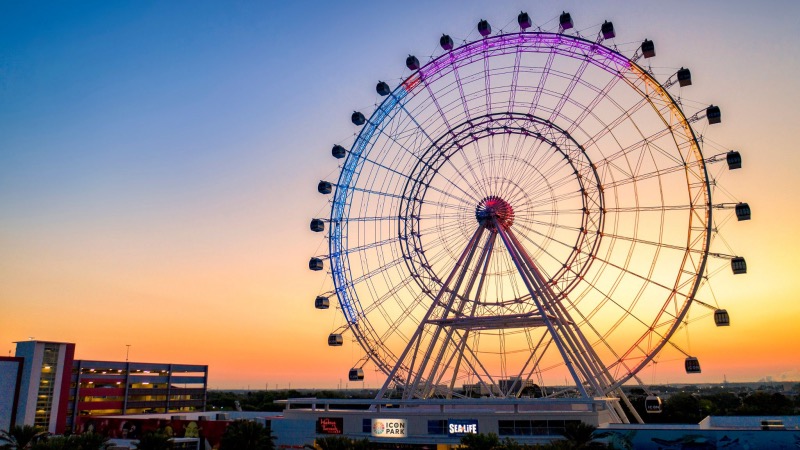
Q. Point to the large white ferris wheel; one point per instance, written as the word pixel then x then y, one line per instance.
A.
pixel 525 206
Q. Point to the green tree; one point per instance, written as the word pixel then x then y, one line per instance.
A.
pixel 246 435
pixel 153 441
pixel 682 407
pixel 481 441
pixel 342 443
pixel 85 441
pixel 579 435
pixel 765 403
pixel 22 437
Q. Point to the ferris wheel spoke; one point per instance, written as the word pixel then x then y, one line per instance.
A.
pixel 602 94
pixel 514 78
pixel 410 176
pixel 567 93
pixel 542 80
pixel 622 117
pixel 461 94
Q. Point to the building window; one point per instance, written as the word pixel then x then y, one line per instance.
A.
pixel 437 427
pixel 533 427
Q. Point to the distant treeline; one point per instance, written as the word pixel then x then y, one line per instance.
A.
pixel 680 407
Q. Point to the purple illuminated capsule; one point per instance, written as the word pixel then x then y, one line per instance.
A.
pixel 484 28
pixel 648 48
pixel 608 30
pixel 566 21
pixel 524 20
pixel 446 42
pixel 412 62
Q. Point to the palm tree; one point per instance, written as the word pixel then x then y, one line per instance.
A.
pixel 246 435
pixel 85 441
pixel 579 435
pixel 341 443
pixel 22 437
pixel 153 441
pixel 480 441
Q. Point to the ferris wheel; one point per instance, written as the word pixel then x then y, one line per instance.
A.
pixel 527 206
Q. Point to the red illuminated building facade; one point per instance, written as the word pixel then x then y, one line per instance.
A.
pixel 59 393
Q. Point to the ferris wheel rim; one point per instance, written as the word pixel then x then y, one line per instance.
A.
pixel 349 301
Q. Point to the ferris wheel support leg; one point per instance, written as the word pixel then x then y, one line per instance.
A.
pixel 423 384
pixel 414 341
pixel 535 296
pixel 598 373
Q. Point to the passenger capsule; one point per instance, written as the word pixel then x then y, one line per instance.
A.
pixel 324 187
pixel 713 114
pixel 721 318
pixel 484 28
pixel 338 152
pixel 734 160
pixel 684 77
pixel 524 20
pixel 335 340
pixel 566 21
pixel 607 28
pixel 315 264
pixel 742 211
pixel 322 302
pixel 317 225
pixel 692 365
pixel 357 118
pixel 652 404
pixel 356 374
pixel 446 42
pixel 738 265
pixel 412 62
pixel 383 89
pixel 648 48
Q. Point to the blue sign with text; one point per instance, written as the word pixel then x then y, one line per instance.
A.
pixel 461 427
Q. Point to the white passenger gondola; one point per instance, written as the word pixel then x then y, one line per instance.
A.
pixel 738 265
pixel 356 374
pixel 652 404
pixel 315 264
pixel 692 365
pixel 721 318
pixel 734 160
pixel 335 340
pixel 324 187
pixel 322 302
pixel 317 225
pixel 742 211
pixel 383 89
pixel 684 77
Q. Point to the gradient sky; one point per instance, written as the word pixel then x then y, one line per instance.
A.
pixel 158 165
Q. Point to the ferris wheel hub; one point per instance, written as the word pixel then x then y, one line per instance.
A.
pixel 493 211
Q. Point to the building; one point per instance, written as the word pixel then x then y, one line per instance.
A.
pixel 45 386
pixel 10 379
pixel 103 388
pixel 42 389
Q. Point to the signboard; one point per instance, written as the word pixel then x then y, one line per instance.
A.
pixel 389 428
pixel 330 425
pixel 461 427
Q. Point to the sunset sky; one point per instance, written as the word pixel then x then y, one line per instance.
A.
pixel 159 162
